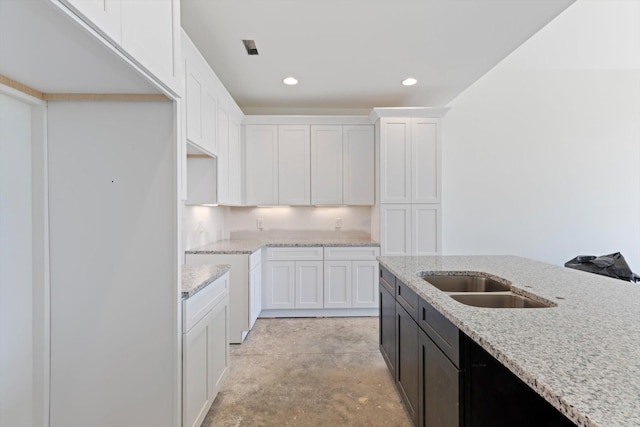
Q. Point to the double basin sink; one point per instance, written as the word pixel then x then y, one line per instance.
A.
pixel 480 291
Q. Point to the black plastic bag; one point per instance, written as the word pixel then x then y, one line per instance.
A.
pixel 612 265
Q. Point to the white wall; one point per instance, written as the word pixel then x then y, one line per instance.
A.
pixel 202 225
pixel 541 156
pixel 16 257
pixel 299 218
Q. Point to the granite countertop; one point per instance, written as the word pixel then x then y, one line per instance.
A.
pixel 249 246
pixel 582 356
pixel 197 277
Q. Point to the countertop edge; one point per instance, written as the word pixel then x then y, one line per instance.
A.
pixel 222 269
pixel 253 249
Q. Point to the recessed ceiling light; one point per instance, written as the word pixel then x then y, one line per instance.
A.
pixel 409 82
pixel 290 81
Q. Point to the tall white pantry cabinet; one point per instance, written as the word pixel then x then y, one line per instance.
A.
pixel 409 185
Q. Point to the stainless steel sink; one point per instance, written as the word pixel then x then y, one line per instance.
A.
pixel 467 283
pixel 503 300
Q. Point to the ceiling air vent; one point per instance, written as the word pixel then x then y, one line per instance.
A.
pixel 250 45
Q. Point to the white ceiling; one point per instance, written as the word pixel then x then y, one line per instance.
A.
pixel 353 54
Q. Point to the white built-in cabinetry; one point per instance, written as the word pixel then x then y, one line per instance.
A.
pixel 212 129
pixel 205 349
pixel 147 32
pixel 342 165
pixel 350 277
pixel 303 281
pixel 245 289
pixel 294 176
pixel 261 164
pixel 294 278
pixel 410 186
pixel 255 287
pixel 309 164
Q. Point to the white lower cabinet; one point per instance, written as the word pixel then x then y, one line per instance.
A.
pixel 244 304
pixel 351 277
pixel 337 284
pixel 293 284
pixel 364 279
pixel 308 284
pixel 323 281
pixel 255 287
pixel 205 349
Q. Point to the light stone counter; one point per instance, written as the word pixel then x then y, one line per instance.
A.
pixel 582 356
pixel 249 246
pixel 197 277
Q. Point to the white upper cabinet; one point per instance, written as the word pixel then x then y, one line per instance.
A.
pixel 326 165
pixel 146 31
pixel 200 100
pixel 208 120
pixel 149 31
pixel 193 103
pixel 410 160
pixel 261 165
pixel 425 170
pixel 235 164
pixel 395 229
pixel 294 162
pixel 104 14
pixel 223 157
pixel 317 164
pixel 358 165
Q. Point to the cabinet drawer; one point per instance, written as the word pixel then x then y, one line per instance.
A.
pixel 196 307
pixel 311 253
pixel 407 298
pixel 351 253
pixel 255 259
pixel 443 333
pixel 388 280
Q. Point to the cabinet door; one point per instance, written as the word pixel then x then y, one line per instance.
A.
pixel 255 294
pixel 280 286
pixel 294 165
pixel 103 14
pixel 219 357
pixel 261 167
pixel 149 30
pixel 197 373
pixel 407 362
pixel 235 164
pixel 208 121
pixel 395 160
pixel 395 230
pixel 387 329
pixel 425 229
pixel 193 103
pixel 425 161
pixel 309 284
pixel 440 386
pixel 358 164
pixel 364 284
pixel 223 156
pixel 326 165
pixel 337 284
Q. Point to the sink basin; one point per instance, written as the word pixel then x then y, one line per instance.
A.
pixel 509 300
pixel 466 284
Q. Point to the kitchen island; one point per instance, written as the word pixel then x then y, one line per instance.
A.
pixel 581 355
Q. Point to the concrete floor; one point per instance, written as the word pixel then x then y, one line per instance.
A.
pixel 308 372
